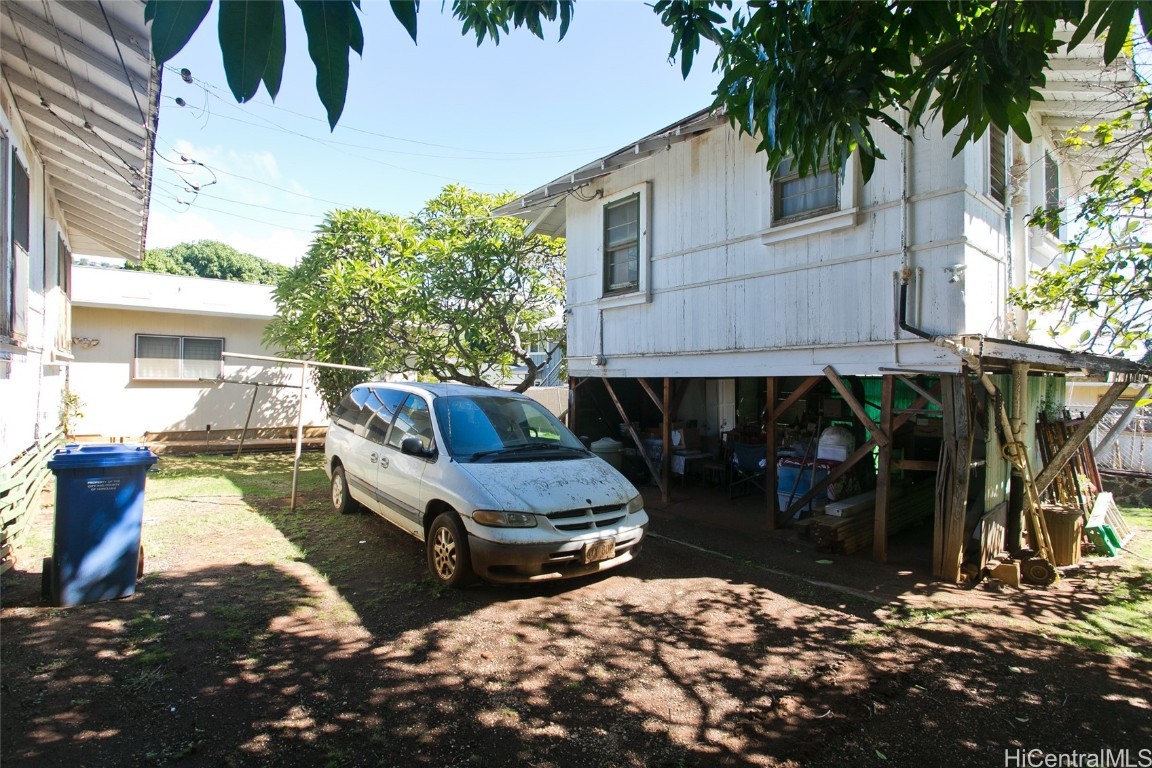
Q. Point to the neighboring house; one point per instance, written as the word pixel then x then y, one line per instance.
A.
pixel 152 360
pixel 780 304
pixel 78 108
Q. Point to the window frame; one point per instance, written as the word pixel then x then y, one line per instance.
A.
pixel 181 359
pixel 793 176
pixel 631 243
pixel 844 216
pixel 399 430
pixel 998 182
pixel 640 292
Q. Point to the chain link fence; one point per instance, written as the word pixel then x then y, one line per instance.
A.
pixel 1132 449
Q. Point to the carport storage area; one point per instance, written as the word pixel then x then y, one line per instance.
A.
pixel 958 452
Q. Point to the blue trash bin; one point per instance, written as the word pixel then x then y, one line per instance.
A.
pixel 96 536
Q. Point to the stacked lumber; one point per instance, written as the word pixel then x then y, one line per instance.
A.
pixel 846 535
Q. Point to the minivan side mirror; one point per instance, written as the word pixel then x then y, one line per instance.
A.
pixel 414 446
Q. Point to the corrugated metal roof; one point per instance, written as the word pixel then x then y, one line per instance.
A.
pixel 87 91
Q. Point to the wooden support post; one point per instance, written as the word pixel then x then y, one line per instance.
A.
pixel 854 404
pixel 794 398
pixel 666 439
pixel 631 431
pixel 883 474
pixel 1077 438
pixel 1121 423
pixel 952 482
pixel 571 420
pixel 644 385
pixel 842 468
pixel 771 471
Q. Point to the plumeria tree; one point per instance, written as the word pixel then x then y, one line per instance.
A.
pixel 451 294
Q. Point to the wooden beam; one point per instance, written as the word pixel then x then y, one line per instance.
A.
pixel 1122 422
pixel 952 482
pixel 841 469
pixel 772 475
pixel 913 465
pixel 631 431
pixel 857 408
pixel 652 394
pixel 1077 438
pixel 797 393
pixel 571 420
pixel 883 474
pixel 912 385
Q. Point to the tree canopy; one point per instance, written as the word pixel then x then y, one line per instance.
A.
pixel 449 293
pixel 809 79
pixel 1102 289
pixel 210 258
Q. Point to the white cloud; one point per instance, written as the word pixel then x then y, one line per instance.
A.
pixel 167 228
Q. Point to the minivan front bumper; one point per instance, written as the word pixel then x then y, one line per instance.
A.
pixel 518 562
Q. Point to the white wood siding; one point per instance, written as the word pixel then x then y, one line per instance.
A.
pixel 731 295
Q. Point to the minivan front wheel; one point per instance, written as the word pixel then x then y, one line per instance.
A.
pixel 448 557
pixel 342 501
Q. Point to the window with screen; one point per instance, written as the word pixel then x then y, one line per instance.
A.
pixel 622 245
pixel 178 357
pixel 796 197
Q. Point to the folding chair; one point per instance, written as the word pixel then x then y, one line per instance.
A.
pixel 747 467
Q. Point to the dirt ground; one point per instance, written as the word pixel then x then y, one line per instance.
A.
pixel 261 637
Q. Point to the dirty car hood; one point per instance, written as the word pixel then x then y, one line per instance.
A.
pixel 551 486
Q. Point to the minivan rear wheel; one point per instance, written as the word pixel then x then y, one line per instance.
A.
pixel 342 501
pixel 448 556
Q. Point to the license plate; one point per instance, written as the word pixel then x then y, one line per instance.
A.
pixel 595 551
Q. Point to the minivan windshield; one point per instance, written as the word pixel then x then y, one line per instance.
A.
pixel 495 428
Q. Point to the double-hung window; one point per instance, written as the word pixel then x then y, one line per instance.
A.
pixel 178 357
pixel 622 245
pixel 797 197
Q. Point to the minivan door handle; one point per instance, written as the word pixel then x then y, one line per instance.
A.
pixel 372 457
pixel 383 462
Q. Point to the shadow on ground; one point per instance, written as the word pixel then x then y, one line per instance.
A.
pixel 308 638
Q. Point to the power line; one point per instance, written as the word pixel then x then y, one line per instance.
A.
pixel 206 85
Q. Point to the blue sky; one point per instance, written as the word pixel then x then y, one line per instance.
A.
pixel 493 118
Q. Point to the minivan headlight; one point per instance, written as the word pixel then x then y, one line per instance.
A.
pixel 504 519
pixel 635 504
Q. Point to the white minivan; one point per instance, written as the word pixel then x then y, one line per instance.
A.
pixel 491 481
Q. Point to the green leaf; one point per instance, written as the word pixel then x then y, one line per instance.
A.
pixel 173 22
pixel 405 11
pixel 332 28
pixel 246 38
pixel 274 67
pixel 1119 21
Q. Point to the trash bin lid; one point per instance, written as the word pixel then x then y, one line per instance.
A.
pixel 98 455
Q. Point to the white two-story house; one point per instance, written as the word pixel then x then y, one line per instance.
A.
pixel 704 291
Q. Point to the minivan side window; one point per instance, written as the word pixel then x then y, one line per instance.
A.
pixel 347 413
pixel 414 420
pixel 379 409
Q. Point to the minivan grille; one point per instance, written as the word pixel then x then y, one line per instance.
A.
pixel 588 518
